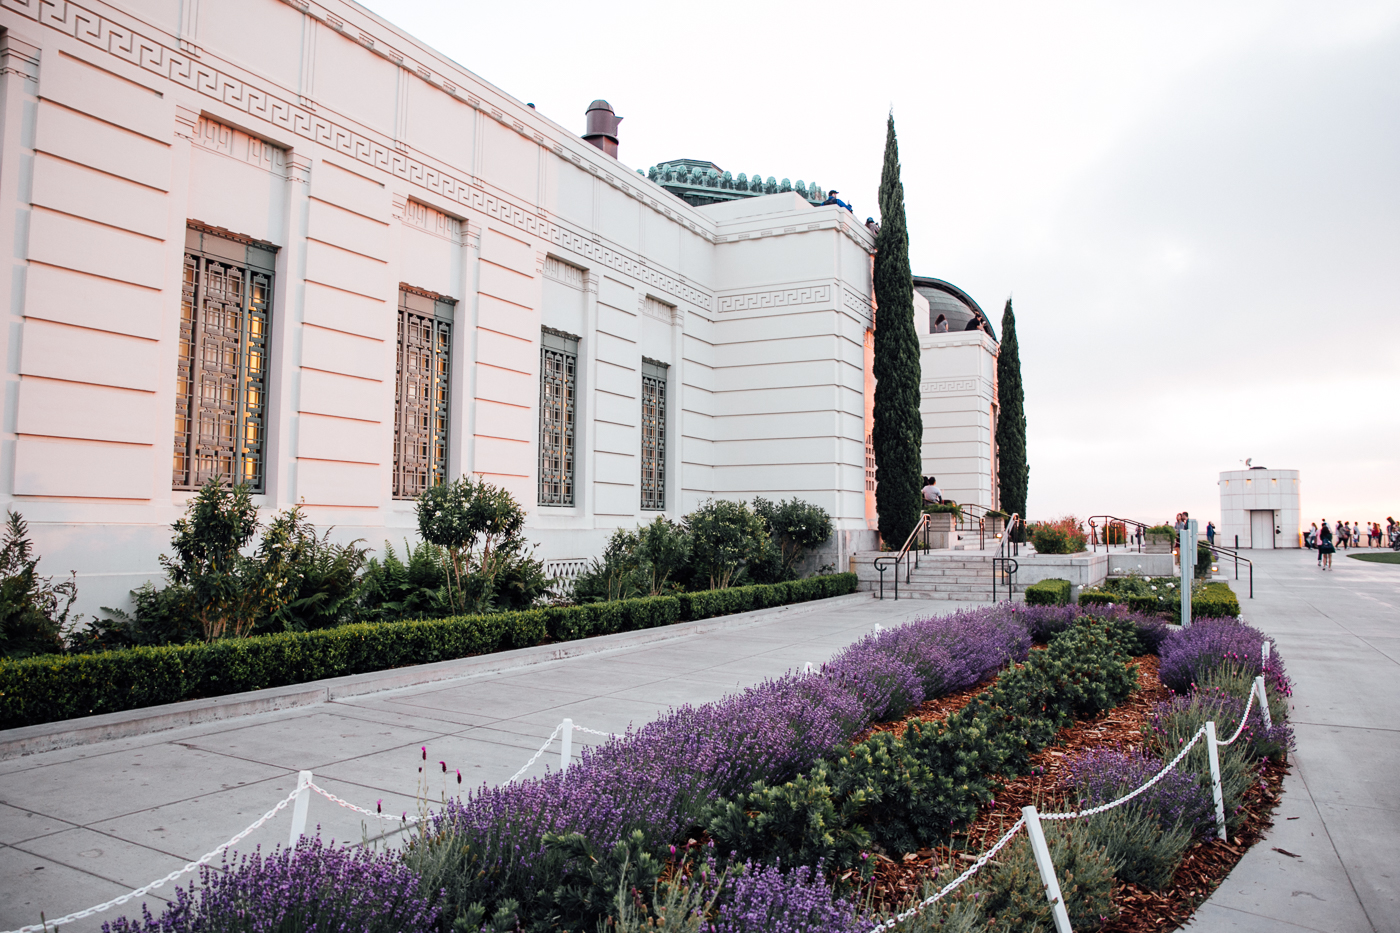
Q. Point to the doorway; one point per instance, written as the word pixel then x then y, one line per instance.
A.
pixel 1261 529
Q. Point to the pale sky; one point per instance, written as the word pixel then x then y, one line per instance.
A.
pixel 1196 206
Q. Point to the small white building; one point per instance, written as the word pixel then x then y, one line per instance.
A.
pixel 1259 508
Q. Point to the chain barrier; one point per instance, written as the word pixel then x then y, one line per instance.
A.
pixel 983 859
pixel 1243 719
pixel 536 756
pixel 141 892
pixel 387 817
pixel 1094 811
pixel 606 735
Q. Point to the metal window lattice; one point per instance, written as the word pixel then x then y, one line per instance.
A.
pixel 221 378
pixel 653 435
pixel 421 393
pixel 558 388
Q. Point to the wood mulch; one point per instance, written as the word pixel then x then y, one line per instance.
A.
pixel 1206 864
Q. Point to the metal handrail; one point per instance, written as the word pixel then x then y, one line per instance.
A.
pixel 1234 555
pixel 1007 561
pixel 883 563
pixel 1109 519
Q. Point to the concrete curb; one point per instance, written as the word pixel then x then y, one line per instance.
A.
pixel 30 740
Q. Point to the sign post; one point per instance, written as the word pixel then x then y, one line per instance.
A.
pixel 1186 548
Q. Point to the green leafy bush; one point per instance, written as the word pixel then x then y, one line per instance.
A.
pixel 1014 894
pixel 1204 558
pixel 33 609
pixel 644 562
pixel 939 508
pixel 724 537
pixel 54 687
pixel 459 515
pixel 794 528
pixel 1052 592
pixel 1214 601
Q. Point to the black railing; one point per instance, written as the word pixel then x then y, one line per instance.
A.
pixel 1004 565
pixel 1221 550
pixel 1107 531
pixel 884 563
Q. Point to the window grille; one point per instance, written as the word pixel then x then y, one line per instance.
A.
pixel 221 377
pixel 558 389
pixel 869 463
pixel 421 391
pixel 653 434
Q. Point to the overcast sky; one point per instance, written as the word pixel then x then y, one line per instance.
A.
pixel 1196 206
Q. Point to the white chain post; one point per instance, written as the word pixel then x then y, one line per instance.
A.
pixel 1047 870
pixel 1265 651
pixel 1263 695
pixel 1214 756
pixel 808 668
pixel 566 745
pixel 299 808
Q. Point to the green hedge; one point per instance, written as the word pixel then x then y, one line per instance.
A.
pixel 1214 600
pixel 54 687
pixel 1051 592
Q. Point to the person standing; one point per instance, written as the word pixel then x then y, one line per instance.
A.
pixel 1310 537
pixel 1210 533
pixel 1325 547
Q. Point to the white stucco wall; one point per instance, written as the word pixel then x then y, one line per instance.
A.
pixel 957 399
pixel 1245 491
pixel 368 159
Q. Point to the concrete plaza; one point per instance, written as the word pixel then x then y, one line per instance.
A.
pixel 82 824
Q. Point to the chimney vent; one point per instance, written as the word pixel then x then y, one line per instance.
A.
pixel 602 127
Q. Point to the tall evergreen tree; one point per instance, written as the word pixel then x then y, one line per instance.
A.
pixel 898 432
pixel 1013 470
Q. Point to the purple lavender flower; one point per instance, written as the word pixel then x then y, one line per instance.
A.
pixel 1187 654
pixel 761 899
pixel 1104 774
pixel 312 887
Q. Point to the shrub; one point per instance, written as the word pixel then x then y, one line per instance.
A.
pixel 33 609
pixel 393 589
pixel 1015 895
pixel 1187 654
pixel 53 687
pixel 1172 723
pixel 311 886
pixel 1214 600
pixel 725 536
pixel 1104 774
pixel 767 899
pixel 1061 536
pixel 1204 558
pixel 794 529
pixel 1052 592
pixel 1140 849
pixel 456 516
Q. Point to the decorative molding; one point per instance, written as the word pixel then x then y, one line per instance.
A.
pixel 782 298
pixel 186 122
pixel 432 221
pixel 947 386
pixel 236 144
pixel 859 304
pixel 152 56
pixel 564 273
pixel 658 309
pixel 18 57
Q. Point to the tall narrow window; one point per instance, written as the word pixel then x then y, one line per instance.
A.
pixel 653 434
pixel 558 388
pixel 221 377
pixel 421 392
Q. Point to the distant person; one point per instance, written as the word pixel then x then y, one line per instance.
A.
pixel 831 198
pixel 931 491
pixel 1210 533
pixel 1310 537
pixel 1373 534
pixel 1325 547
pixel 1343 533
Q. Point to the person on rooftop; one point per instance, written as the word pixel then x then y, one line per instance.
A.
pixel 831 198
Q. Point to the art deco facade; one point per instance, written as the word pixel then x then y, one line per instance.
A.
pixel 287 244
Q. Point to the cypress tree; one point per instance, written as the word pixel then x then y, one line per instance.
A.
pixel 1013 470
pixel 898 432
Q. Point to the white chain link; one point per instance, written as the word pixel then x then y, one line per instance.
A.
pixel 985 857
pixel 387 817
pixel 141 892
pixel 606 735
pixel 1079 814
pixel 536 757
pixel 1243 719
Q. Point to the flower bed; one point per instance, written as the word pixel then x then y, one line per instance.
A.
pixel 55 687
pixel 750 813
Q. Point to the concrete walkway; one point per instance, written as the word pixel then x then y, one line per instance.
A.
pixel 1339 633
pixel 81 825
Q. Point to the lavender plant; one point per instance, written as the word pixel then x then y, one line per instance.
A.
pixel 1187 654
pixel 310 888
pixel 766 899
pixel 1104 774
